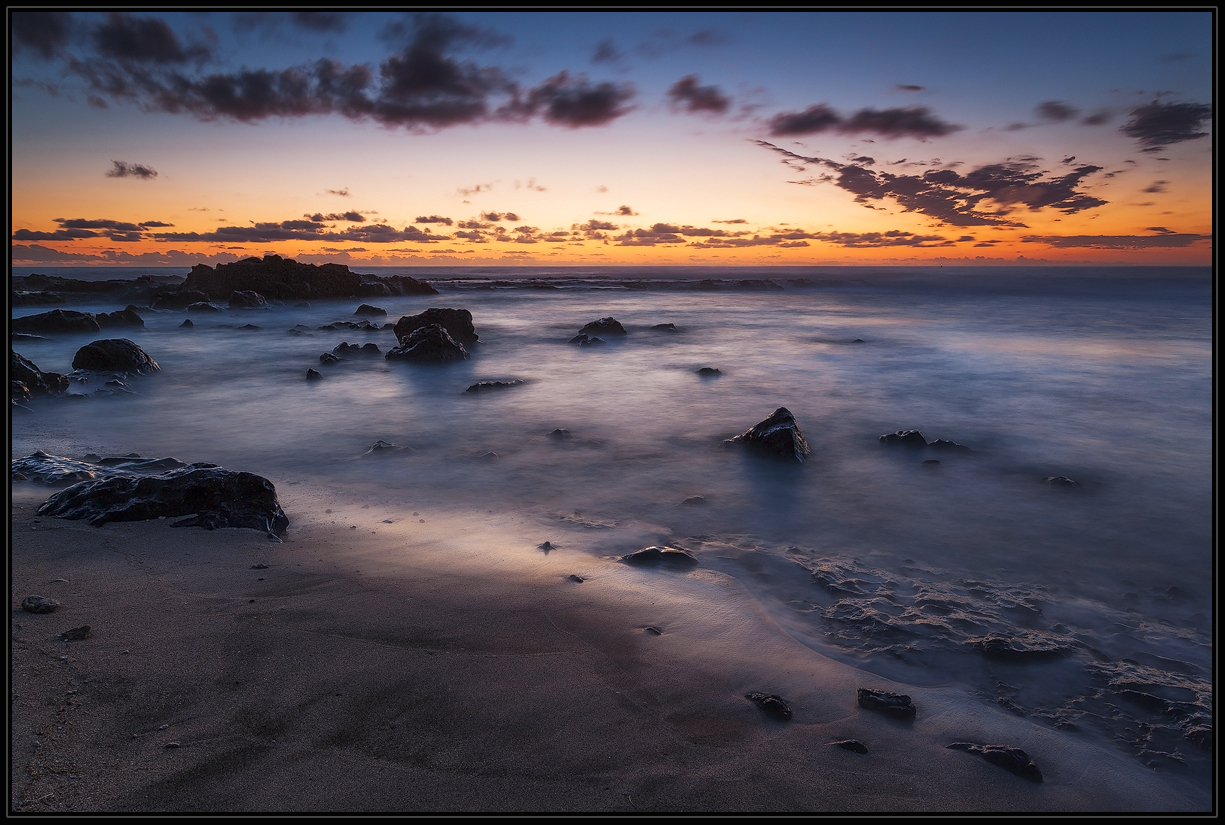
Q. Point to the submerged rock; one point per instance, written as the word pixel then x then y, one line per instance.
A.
pixel 709 372
pixel 897 705
pixel 664 328
pixel 179 298
pixel 203 306
pixel 114 355
pixel 778 435
pixel 560 434
pixel 1060 481
pixel 367 309
pixel 313 375
pixel 212 496
pixel 484 386
pixel 428 344
pixel 904 438
pixel 585 340
pixel 457 323
pixel 656 555
pixel 953 446
pixel 604 326
pixel 369 348
pixel 773 705
pixel 187 323
pixel 1008 757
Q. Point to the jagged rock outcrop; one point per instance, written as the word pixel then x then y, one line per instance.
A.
pixel 178 298
pixel 1008 757
pixel 126 317
pixel 778 435
pixel 246 299
pixel 113 355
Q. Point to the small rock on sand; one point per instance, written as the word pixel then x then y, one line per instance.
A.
pixel 39 604
pixel 772 704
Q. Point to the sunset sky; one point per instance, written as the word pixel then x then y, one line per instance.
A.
pixel 612 138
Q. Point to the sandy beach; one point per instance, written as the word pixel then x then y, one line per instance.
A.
pixel 449 664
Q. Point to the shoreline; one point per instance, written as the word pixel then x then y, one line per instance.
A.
pixel 452 665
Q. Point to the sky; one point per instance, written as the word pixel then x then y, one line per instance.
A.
pixel 612 138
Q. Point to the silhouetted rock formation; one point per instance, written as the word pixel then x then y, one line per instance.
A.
pixel 604 326
pixel 429 344
pixel 778 435
pixel 57 320
pixel 457 323
pixel 284 278
pixel 113 355
pixel 246 299
pixel 1008 757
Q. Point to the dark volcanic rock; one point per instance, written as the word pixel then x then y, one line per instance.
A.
pixel 672 556
pixel 778 435
pixel 664 327
pixel 356 349
pixel 313 375
pixel 773 705
pixel 709 372
pixel 75 634
pixel 284 279
pixel 120 318
pixel 328 358
pixel 1026 646
pixel 213 496
pixel 906 438
pixel 457 323
pixel 484 386
pixel 604 326
pixel 178 298
pixel 39 604
pixel 42 288
pixel 430 344
pixel 55 471
pixel 1060 481
pixel 1008 757
pixel 35 380
pixel 246 299
pixel 203 306
pixel 585 340
pixel 113 355
pixel 367 309
pixel 187 323
pixel 57 320
pixel 560 434
pixel 897 705
pixel 37 298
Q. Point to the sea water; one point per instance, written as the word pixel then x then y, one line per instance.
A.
pixel 1086 606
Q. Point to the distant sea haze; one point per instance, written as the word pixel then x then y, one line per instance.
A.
pixel 929 565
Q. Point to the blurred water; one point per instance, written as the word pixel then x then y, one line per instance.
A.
pixel 1104 591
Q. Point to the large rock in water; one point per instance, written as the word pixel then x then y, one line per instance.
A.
pixel 211 495
pixel 778 435
pixel 431 344
pixel 457 322
pixel 284 278
pixel 127 316
pixel 113 355
pixel 604 326
pixel 246 299
pixel 23 370
pixel 57 320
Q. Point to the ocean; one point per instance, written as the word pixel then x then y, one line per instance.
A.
pixel 1086 606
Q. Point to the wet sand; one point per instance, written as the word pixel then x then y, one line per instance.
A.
pixel 452 666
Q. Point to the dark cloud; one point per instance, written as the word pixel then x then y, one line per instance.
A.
pixel 424 85
pixel 1164 240
pixel 915 121
pixel 708 37
pixel 1156 187
pixel 573 102
pixel 1159 125
pixel 44 32
pixel 72 229
pixel 688 95
pixel 352 217
pixel 433 219
pixel 957 199
pixel 906 87
pixel 1055 110
pixel 1097 118
pixel 122 169
pixel 733 220
pixel 303 230
pixel 594 225
pixel 625 210
pixel 344 193
pixel 606 51
pixel 130 39
pixel 321 21
pixel 500 216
